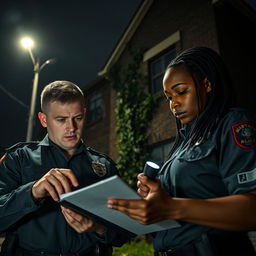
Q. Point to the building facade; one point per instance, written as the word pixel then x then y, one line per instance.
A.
pixel 163 28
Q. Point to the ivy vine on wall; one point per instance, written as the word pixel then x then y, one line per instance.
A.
pixel 134 106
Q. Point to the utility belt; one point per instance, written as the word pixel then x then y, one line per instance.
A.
pixel 25 252
pixel 11 247
pixel 219 244
pixel 168 253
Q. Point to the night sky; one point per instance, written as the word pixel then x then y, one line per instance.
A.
pixel 79 34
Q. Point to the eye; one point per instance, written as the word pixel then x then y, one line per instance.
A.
pixel 60 120
pixel 182 92
pixel 79 118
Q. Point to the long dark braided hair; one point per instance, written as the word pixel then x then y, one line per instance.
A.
pixel 201 63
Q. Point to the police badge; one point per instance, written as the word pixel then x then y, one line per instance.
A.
pixel 99 168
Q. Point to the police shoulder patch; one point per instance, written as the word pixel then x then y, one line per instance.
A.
pixel 244 134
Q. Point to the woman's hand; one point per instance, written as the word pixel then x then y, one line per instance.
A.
pixel 155 206
pixel 143 189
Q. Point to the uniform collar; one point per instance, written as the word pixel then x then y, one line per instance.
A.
pixel 184 131
pixel 47 142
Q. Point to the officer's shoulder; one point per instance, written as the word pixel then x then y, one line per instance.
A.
pixel 98 154
pixel 240 115
pixel 21 145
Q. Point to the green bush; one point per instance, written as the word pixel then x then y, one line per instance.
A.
pixel 134 108
pixel 134 248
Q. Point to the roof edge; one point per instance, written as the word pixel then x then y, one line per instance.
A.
pixel 126 36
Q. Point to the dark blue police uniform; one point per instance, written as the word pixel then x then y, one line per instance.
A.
pixel 41 227
pixel 224 164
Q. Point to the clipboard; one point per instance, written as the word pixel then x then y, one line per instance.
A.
pixel 92 201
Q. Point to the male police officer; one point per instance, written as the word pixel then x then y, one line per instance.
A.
pixel 33 175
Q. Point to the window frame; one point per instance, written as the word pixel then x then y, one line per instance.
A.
pixel 164 63
pixel 95 99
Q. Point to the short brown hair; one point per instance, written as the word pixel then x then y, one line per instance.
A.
pixel 62 91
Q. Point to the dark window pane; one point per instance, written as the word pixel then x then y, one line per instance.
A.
pixel 158 84
pixel 156 155
pixel 95 108
pixel 156 67
pixel 159 153
pixel 168 58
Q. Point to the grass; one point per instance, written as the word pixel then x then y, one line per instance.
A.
pixel 136 247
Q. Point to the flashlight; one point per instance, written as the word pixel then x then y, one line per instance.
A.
pixel 151 169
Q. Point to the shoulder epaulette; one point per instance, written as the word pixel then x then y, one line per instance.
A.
pixel 19 145
pixel 93 151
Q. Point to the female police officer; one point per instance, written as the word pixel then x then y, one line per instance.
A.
pixel 208 183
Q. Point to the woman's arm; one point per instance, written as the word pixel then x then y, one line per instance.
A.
pixel 234 212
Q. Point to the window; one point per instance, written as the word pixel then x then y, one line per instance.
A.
pixel 95 108
pixel 159 152
pixel 157 69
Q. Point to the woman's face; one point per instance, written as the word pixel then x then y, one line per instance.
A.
pixel 180 90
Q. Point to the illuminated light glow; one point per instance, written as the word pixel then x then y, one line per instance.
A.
pixel 153 165
pixel 27 42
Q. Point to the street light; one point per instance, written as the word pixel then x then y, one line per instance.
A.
pixel 28 43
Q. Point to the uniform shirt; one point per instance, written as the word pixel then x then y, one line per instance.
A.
pixel 223 165
pixel 42 227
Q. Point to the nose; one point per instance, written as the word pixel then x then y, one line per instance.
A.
pixel 174 103
pixel 70 125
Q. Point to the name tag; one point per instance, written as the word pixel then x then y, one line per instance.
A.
pixel 245 177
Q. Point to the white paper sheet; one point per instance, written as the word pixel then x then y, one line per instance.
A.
pixel 94 198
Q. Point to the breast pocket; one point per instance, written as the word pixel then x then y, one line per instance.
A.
pixel 198 152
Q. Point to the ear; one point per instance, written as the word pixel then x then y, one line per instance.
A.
pixel 207 85
pixel 42 119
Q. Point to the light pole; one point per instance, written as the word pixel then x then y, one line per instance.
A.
pixel 27 43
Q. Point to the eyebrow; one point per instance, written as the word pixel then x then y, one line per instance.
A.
pixel 176 85
pixel 68 116
pixel 60 117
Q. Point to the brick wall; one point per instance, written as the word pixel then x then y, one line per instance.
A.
pixel 197 26
pixel 97 134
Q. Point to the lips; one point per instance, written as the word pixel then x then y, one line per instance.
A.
pixel 180 115
pixel 70 137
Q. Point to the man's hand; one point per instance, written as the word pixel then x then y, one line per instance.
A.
pixel 81 223
pixel 54 183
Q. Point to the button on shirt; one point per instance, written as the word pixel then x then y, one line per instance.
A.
pixel 222 165
pixel 42 226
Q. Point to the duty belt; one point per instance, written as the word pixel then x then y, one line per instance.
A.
pixel 168 253
pixel 42 253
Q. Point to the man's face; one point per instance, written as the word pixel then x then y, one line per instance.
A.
pixel 64 123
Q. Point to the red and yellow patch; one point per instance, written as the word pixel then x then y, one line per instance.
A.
pixel 244 134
